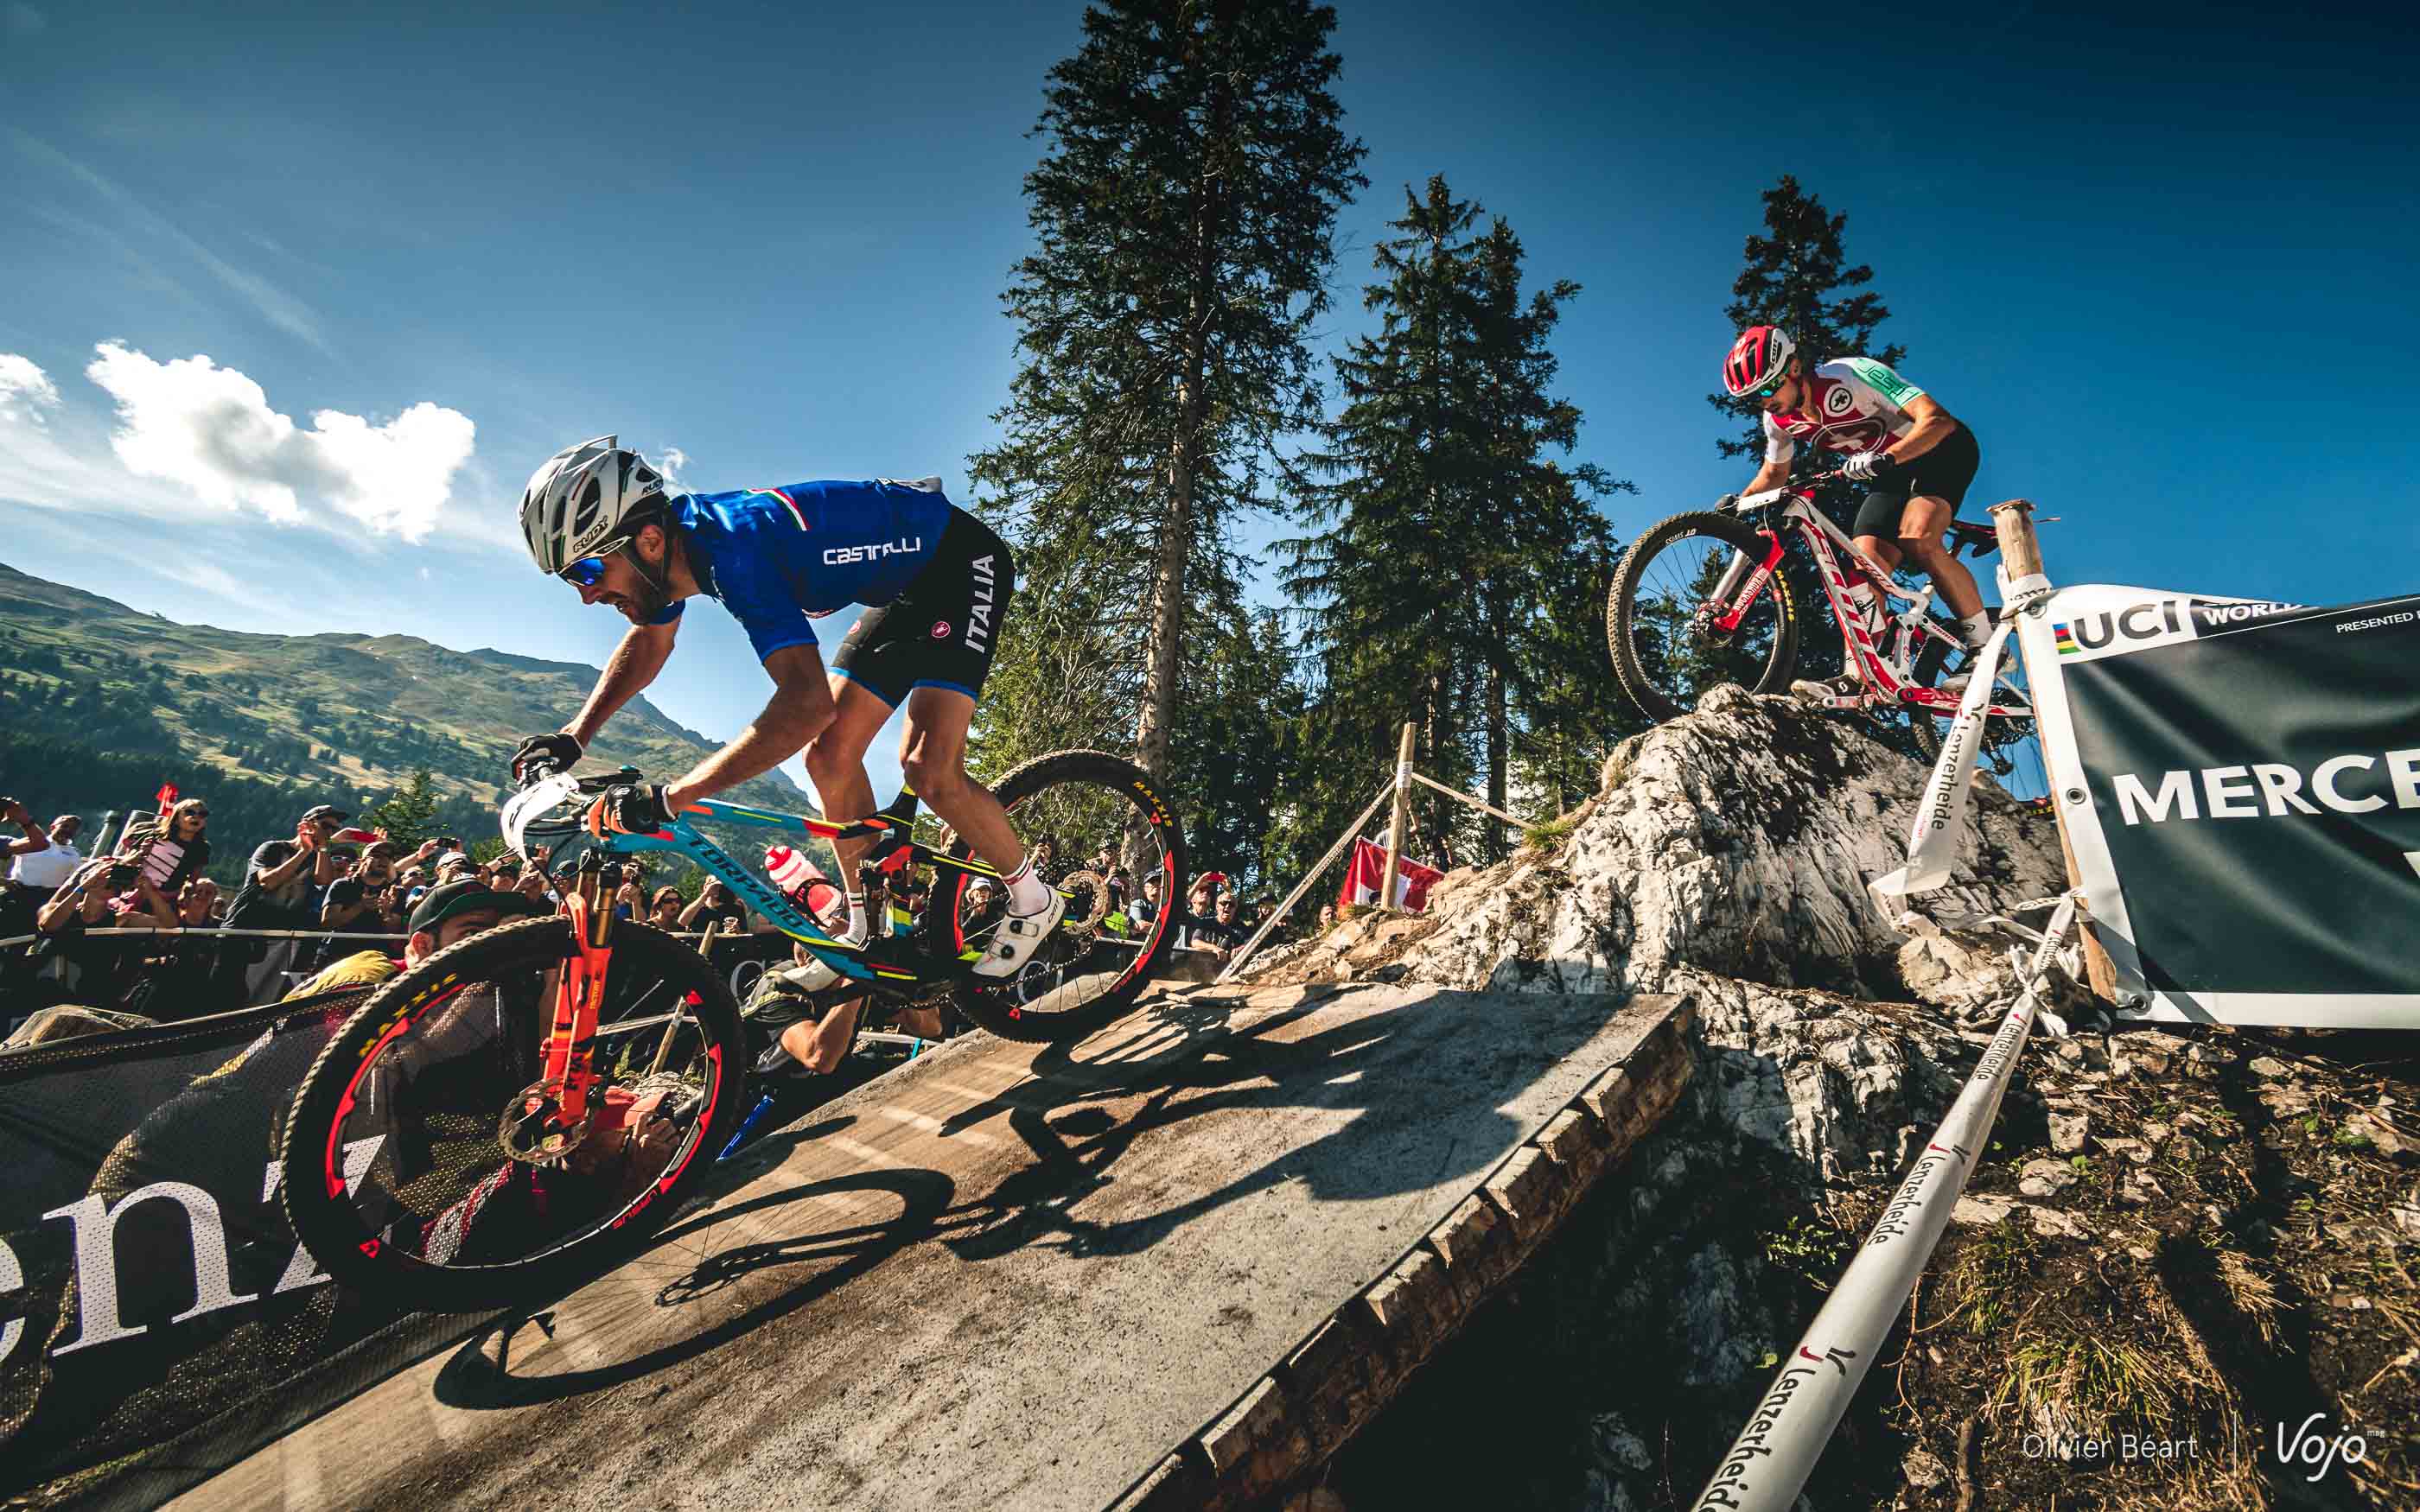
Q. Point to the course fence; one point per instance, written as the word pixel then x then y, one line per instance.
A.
pixel 151 1296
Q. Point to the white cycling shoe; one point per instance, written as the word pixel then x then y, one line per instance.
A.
pixel 1019 936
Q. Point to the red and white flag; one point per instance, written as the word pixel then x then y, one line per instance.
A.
pixel 166 797
pixel 1413 879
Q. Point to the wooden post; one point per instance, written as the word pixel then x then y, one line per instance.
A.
pixel 1402 817
pixel 2020 554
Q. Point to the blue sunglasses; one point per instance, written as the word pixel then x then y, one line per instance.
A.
pixel 587 571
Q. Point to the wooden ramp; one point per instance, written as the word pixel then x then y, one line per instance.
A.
pixel 1176 1265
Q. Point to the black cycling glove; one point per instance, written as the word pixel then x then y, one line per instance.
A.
pixel 557 751
pixel 632 808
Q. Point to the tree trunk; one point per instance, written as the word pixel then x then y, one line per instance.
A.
pixel 1499 736
pixel 1165 634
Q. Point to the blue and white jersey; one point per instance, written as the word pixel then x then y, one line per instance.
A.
pixel 778 559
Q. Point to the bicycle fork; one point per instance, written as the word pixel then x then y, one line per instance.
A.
pixel 553 1113
pixel 1742 581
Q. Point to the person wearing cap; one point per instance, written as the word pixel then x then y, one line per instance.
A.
pixel 282 874
pixel 352 901
pixel 279 882
pixel 449 912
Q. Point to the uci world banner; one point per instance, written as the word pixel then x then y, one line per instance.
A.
pixel 2240 781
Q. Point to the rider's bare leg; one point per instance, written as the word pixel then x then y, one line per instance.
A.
pixel 933 755
pixel 836 765
pixel 1882 554
pixel 1920 528
pixel 820 1044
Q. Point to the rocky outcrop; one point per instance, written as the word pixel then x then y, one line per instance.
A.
pixel 1737 839
pixel 1726 857
pixel 2169 1233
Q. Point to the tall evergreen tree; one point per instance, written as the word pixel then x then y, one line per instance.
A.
pixel 1796 275
pixel 1450 540
pixel 1184 213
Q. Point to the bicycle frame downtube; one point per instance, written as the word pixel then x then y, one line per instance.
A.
pixel 1822 537
pixel 682 839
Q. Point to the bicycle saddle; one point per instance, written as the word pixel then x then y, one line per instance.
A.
pixel 1973 539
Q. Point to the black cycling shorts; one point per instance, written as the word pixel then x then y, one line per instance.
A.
pixel 942 631
pixel 1943 472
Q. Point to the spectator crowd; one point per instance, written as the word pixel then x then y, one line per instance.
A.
pixel 329 880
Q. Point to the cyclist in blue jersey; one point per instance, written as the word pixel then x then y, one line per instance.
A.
pixel 934 582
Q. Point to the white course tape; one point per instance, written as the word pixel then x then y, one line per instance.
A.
pixel 1774 1455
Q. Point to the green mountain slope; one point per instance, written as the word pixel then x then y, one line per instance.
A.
pixel 99 704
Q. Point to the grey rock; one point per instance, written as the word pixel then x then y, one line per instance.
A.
pixel 1924 1471
pixel 1983 1211
pixel 2069 1131
pixel 2045 1177
pixel 2269 1068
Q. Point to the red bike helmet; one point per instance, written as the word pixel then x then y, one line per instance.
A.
pixel 1759 357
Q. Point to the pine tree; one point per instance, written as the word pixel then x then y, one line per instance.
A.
pixel 1453 545
pixel 1185 211
pixel 410 816
pixel 1796 276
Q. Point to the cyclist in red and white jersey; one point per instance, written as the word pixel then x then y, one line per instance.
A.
pixel 1916 457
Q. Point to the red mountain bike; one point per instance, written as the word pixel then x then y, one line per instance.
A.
pixel 1700 598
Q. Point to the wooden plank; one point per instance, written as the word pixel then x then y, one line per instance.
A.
pixel 1356 1361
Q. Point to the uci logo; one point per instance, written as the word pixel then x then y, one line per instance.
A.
pixel 2139 621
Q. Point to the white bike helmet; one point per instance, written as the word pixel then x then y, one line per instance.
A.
pixel 585 498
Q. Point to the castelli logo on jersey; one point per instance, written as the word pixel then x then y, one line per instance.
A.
pixel 941 629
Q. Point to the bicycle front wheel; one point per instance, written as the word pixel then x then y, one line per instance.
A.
pixel 402 1168
pixel 1665 628
pixel 1066 807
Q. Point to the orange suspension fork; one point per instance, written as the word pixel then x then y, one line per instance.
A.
pixel 579 997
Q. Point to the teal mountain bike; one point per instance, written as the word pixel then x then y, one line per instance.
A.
pixel 499 1117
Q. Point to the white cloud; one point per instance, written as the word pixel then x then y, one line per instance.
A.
pixel 25 390
pixel 211 428
pixel 669 462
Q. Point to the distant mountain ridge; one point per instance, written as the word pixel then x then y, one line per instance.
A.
pixel 86 682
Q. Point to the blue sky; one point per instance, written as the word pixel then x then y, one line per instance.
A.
pixel 2162 264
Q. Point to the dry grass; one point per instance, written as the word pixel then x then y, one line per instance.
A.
pixel 2255 1295
pixel 1989 1277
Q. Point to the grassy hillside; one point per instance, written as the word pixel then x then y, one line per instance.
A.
pixel 99 704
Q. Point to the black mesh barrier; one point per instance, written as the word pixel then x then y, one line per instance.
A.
pixel 157 1318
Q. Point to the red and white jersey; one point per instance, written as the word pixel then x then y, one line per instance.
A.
pixel 1851 403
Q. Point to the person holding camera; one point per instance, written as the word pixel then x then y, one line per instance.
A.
pixel 40 864
pixel 714 900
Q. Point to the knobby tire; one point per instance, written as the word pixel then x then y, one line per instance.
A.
pixel 331 1224
pixel 1621 608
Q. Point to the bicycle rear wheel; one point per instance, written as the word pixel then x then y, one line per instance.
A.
pixel 395 1169
pixel 1660 620
pixel 1097 961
